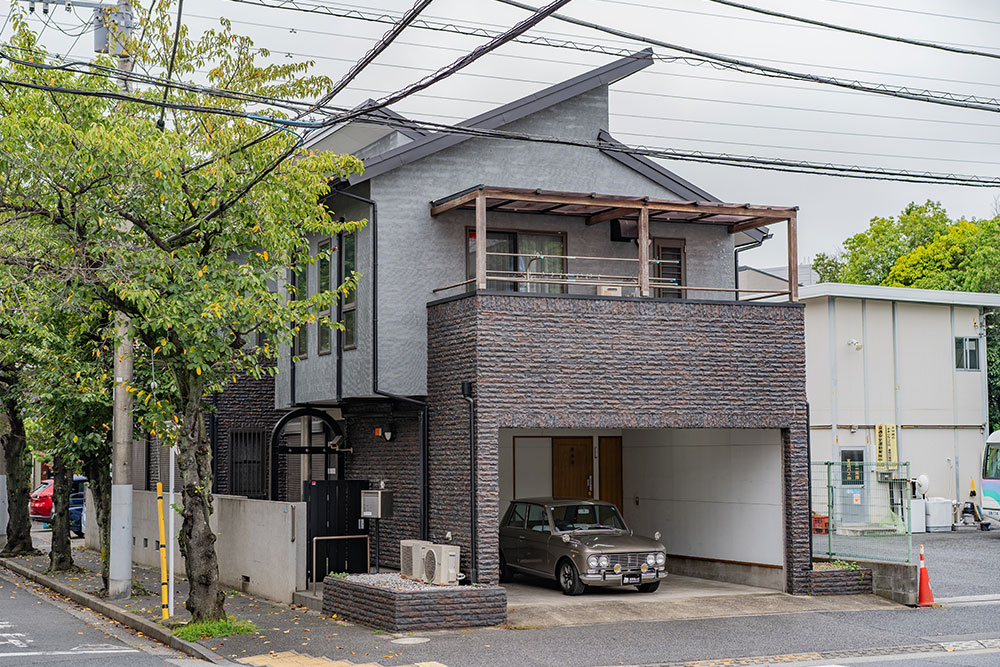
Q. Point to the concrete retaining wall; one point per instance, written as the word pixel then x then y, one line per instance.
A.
pixel 261 545
pixel 442 608
pixel 841 582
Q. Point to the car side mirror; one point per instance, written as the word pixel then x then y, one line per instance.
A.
pixel 657 536
pixel 566 538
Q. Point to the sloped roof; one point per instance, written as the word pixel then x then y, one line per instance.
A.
pixel 507 113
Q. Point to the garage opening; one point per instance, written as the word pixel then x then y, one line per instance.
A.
pixel 715 495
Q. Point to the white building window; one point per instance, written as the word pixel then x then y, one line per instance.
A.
pixel 967 354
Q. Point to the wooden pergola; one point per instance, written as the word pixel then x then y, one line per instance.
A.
pixel 598 208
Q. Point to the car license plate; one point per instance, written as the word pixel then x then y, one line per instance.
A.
pixel 630 579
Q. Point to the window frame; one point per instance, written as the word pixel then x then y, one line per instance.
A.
pixel 668 242
pixel 324 246
pixel 964 342
pixel 349 302
pixel 513 513
pixel 470 258
pixel 300 342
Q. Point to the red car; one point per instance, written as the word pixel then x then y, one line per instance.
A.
pixel 40 501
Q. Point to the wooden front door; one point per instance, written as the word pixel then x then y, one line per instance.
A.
pixel 610 452
pixel 573 467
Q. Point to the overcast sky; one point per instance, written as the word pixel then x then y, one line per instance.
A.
pixel 679 106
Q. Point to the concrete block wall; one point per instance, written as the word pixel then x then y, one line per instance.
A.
pixel 599 362
pixel 259 539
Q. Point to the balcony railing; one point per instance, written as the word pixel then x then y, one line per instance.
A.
pixel 642 277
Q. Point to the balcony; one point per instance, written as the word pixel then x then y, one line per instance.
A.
pixel 655 268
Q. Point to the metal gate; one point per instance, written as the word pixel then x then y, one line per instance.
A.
pixel 248 463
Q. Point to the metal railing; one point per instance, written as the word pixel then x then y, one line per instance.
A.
pixel 862 510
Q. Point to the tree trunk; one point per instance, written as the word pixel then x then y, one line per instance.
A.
pixel 197 541
pixel 60 556
pixel 15 452
pixel 98 472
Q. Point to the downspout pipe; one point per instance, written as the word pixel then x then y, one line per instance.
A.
pixel 473 528
pixel 422 405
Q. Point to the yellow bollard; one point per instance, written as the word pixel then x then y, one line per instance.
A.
pixel 163 551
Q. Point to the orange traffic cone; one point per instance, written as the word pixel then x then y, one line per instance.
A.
pixel 926 597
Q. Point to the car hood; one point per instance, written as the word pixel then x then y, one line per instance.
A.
pixel 616 541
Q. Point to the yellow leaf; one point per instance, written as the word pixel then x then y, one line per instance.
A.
pixel 198 371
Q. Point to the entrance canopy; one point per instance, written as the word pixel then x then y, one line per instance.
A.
pixel 599 208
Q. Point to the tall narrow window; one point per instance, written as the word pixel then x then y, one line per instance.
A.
pixel 300 345
pixel 348 257
pixel 324 338
pixel 668 267
pixel 967 354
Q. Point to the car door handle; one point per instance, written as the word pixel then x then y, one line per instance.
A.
pixel 520 537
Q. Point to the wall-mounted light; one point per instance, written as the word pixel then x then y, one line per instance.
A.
pixel 855 343
pixel 387 432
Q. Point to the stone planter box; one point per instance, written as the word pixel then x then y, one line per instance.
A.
pixel 440 607
pixel 841 582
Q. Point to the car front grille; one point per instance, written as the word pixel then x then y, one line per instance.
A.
pixel 627 561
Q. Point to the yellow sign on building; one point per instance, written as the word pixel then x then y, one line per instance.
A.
pixel 885 446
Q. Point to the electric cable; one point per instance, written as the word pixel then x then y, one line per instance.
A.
pixel 935 97
pixel 856 31
pixel 170 67
pixel 914 11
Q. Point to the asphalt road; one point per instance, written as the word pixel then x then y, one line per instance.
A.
pixel 38 627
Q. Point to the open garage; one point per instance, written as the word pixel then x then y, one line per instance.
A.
pixel 715 495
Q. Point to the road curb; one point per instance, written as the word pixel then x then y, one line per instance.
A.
pixel 148 628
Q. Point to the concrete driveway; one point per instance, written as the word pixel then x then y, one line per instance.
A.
pixel 538 603
pixel 962 563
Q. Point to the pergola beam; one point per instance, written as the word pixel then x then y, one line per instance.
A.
pixel 456 202
pixel 604 216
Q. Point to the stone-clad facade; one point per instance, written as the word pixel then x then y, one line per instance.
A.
pixel 564 361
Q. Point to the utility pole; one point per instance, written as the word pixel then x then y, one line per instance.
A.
pixel 3 502
pixel 112 27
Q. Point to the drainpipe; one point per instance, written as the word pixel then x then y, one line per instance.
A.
pixel 474 531
pixel 423 456
pixel 736 260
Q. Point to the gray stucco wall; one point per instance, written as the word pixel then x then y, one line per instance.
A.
pixel 418 253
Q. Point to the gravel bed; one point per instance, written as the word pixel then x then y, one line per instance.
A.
pixel 391 580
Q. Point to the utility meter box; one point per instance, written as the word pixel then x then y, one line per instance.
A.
pixel 376 504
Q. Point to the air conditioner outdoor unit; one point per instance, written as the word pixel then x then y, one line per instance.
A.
pixel 411 558
pixel 441 565
pixel 609 290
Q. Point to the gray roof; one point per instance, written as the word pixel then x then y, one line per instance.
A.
pixel 506 114
pixel 315 136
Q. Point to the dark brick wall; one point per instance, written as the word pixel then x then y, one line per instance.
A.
pixel 564 362
pixel 399 611
pixel 245 404
pixel 840 582
pixel 396 463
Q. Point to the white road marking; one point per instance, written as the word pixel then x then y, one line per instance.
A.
pixel 18 639
pixel 71 652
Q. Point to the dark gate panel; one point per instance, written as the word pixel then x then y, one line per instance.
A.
pixel 334 508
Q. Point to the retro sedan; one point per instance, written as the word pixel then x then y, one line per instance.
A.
pixel 579 543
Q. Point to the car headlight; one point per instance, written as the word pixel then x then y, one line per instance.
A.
pixel 661 558
pixel 651 559
pixel 603 561
pixel 592 562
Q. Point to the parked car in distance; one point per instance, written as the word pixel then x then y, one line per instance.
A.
pixel 579 543
pixel 76 513
pixel 40 500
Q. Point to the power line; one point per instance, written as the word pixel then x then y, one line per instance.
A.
pixel 935 97
pixel 914 11
pixel 173 56
pixel 697 57
pixel 856 31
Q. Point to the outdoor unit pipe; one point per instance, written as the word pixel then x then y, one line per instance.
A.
pixel 736 260
pixel 423 455
pixel 473 529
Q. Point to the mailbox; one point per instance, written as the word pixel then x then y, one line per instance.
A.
pixel 376 504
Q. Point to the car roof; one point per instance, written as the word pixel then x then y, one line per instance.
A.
pixel 550 500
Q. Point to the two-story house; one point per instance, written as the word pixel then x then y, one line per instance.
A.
pixel 537 319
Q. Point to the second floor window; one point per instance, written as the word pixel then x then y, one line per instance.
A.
pixel 300 345
pixel 967 354
pixel 324 339
pixel 534 261
pixel 348 258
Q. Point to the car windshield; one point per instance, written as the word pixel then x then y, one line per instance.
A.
pixel 586 517
pixel 41 487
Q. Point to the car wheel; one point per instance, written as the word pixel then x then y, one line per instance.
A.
pixel 648 588
pixel 506 574
pixel 569 580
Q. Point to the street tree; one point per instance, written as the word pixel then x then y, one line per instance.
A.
pixel 188 227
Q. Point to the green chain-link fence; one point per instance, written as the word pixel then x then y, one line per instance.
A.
pixel 862 510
